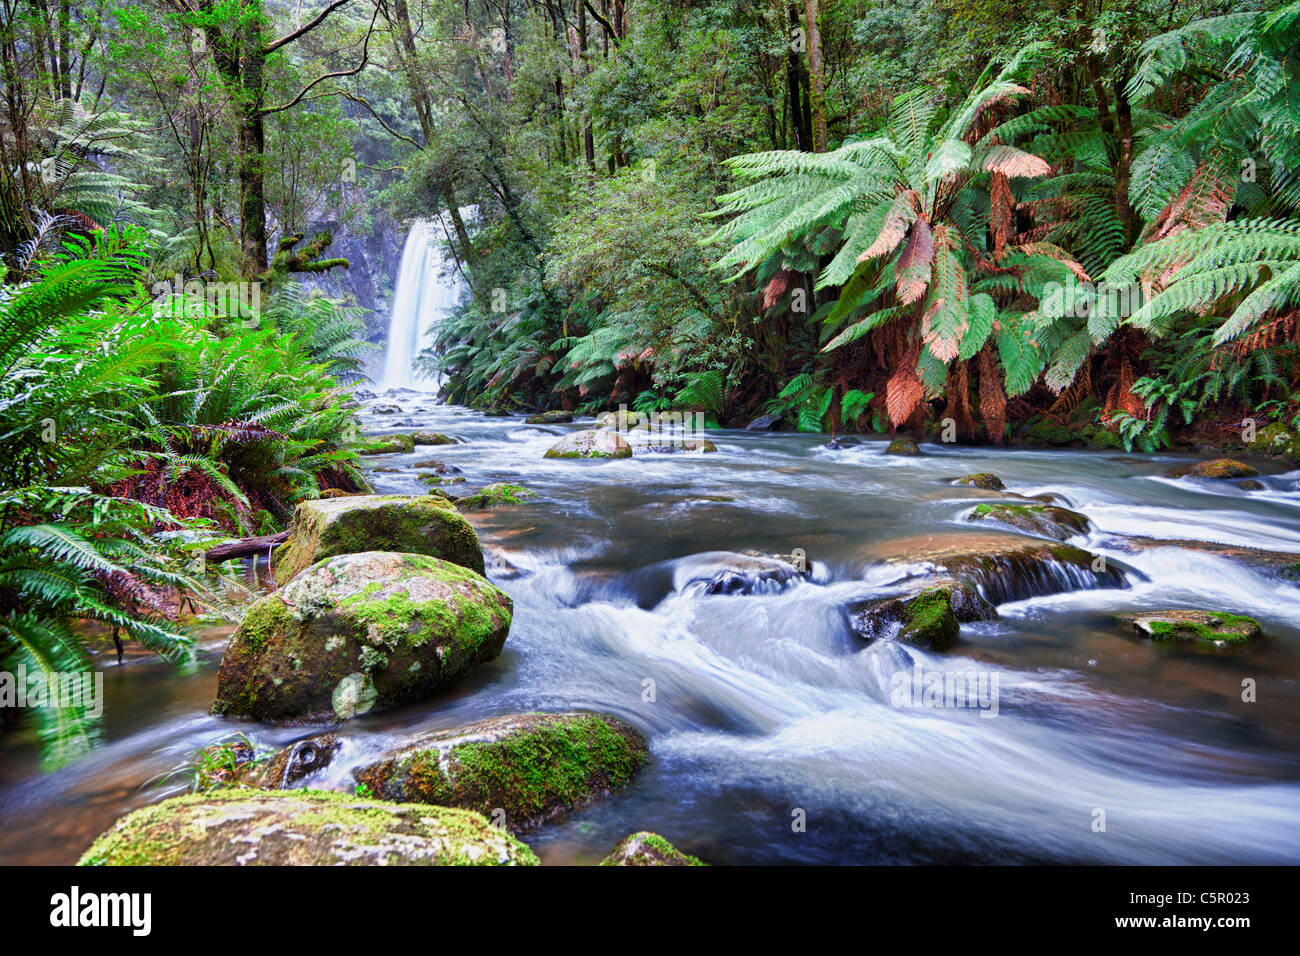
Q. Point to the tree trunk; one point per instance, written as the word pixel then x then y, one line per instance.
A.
pixel 816 82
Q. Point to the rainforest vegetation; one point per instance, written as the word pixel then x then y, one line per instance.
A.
pixel 1076 220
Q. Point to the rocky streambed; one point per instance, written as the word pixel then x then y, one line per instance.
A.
pixel 760 647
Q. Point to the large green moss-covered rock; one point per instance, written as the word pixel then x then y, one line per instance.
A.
pixel 593 443
pixel 648 849
pixel 407 523
pixel 1049 521
pixel 1278 441
pixel 386 445
pixel 532 767
pixel 432 438
pixel 242 827
pixel 359 632
pixel 495 495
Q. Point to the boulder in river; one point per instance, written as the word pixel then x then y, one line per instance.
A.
pixel 668 445
pixel 1216 468
pixel 903 446
pixel 648 849
pixel 360 632
pixel 985 480
pixel 764 423
pixel 496 495
pixel 432 438
pixel 929 617
pixel 733 572
pixel 550 418
pixel 239 827
pixel 1201 627
pixel 1048 521
pixel 532 767
pixel 1008 567
pixel 593 443
pixel 416 524
pixel 386 408
pixel 438 467
pixel 386 445
pixel 842 441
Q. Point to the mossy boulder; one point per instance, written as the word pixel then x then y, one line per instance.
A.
pixel 1048 521
pixel 593 443
pixel 1278 441
pixel 428 478
pixel 496 495
pixel 1215 468
pixel 927 617
pixel 386 445
pixel 550 418
pixel 415 524
pixel 622 420
pixel 360 632
pixel 1215 628
pixel 985 480
pixel 338 493
pixel 432 438
pixel 240 827
pixel 532 767
pixel 648 849
pixel 903 446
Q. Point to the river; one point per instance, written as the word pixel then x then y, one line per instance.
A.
pixel 774 734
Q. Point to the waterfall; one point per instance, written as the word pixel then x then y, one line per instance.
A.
pixel 428 288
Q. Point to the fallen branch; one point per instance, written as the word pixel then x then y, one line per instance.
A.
pixel 245 547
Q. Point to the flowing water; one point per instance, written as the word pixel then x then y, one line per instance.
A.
pixel 767 710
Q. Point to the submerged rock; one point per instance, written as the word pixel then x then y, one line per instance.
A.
pixel 648 849
pixel 386 445
pixel 433 438
pixel 296 762
pixel 532 767
pixel 764 423
pixel 1202 627
pixel 1049 521
pixel 841 441
pixel 495 495
pixel 238 827
pixel 1216 468
pixel 438 467
pixel 414 524
pixel 360 632
pixel 386 408
pixel 1284 564
pixel 550 418
pixel 734 572
pixel 986 480
pixel 903 446
pixel 594 443
pixel 669 445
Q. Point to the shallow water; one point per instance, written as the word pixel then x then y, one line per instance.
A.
pixel 767 709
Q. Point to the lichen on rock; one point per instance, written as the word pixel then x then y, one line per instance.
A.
pixel 415 524
pixel 243 827
pixel 530 767
pixel 360 632
pixel 648 849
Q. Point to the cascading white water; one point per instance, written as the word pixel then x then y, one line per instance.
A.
pixel 428 287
